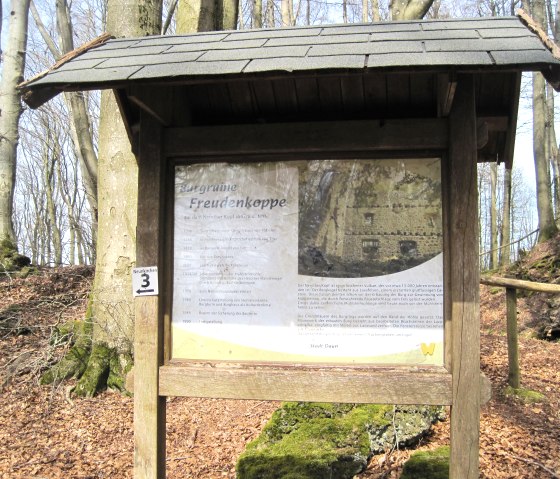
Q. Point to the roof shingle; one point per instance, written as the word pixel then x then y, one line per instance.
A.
pixel 443 44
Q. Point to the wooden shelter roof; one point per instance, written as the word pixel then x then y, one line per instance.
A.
pixel 443 45
pixel 336 72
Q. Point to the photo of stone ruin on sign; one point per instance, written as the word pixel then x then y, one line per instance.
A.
pixel 360 218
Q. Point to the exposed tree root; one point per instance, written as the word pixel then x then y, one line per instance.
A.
pixel 95 364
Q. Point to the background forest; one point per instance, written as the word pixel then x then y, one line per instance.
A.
pixel 55 199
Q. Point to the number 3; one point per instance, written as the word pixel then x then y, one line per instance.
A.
pixel 145 280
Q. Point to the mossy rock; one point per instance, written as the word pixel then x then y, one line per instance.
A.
pixel 428 465
pixel 10 260
pixel 323 440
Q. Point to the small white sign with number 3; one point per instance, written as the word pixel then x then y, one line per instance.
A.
pixel 145 281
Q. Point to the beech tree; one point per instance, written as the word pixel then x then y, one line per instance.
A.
pixel 10 108
pixel 547 226
pixel 102 352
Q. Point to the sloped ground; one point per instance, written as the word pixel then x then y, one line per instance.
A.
pixel 44 433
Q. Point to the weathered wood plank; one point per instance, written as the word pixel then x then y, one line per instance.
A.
pixel 513 343
pixel 521 284
pixel 464 282
pixel 373 385
pixel 326 137
pixel 149 406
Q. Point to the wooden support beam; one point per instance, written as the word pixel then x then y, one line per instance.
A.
pixel 446 86
pixel 149 406
pixel 324 137
pixel 334 384
pixel 464 283
pixel 514 375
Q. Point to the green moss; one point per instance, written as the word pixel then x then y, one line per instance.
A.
pixel 313 441
pixel 526 395
pixel 94 378
pixel 119 366
pixel 428 465
pixel 74 363
pixel 10 260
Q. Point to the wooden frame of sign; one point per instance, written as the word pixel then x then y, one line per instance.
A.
pixel 458 383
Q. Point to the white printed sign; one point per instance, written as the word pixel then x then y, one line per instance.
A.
pixel 331 261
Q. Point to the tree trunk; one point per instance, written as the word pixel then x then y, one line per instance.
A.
pixel 10 108
pixel 270 14
pixel 257 13
pixel 285 10
pixel 493 215
pixel 409 9
pixel 505 232
pixel 80 118
pixel 375 15
pixel 547 226
pixel 111 301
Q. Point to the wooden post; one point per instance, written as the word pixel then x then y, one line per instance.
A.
pixel 513 344
pixel 149 407
pixel 464 283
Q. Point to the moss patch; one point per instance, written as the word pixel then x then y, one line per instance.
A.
pixel 526 395
pixel 323 440
pixel 74 363
pixel 10 260
pixel 428 465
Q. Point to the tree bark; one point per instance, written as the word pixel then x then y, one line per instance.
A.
pixel 285 11
pixel 547 226
pixel 376 16
pixel 493 215
pixel 80 118
pixel 409 9
pixel 111 302
pixel 257 14
pixel 10 108
pixel 505 231
pixel 270 14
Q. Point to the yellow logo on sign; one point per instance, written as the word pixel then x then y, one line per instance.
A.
pixel 428 348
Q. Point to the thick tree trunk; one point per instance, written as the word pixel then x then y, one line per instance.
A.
pixel 111 302
pixel 10 108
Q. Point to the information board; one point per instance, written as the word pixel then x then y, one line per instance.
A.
pixel 309 262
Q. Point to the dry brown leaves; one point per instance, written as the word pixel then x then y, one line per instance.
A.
pixel 46 434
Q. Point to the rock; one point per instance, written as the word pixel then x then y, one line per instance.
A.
pixel 334 441
pixel 10 260
pixel 428 465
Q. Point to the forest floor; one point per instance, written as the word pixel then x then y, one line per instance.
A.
pixel 47 433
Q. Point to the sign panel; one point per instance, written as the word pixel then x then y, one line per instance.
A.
pixel 314 262
pixel 145 281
